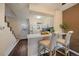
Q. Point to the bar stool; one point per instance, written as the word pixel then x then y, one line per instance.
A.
pixel 64 43
pixel 47 44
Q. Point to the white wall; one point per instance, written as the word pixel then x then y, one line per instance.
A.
pixel 7 39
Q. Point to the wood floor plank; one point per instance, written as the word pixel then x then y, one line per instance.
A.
pixel 20 49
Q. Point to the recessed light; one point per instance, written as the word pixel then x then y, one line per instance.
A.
pixel 38 17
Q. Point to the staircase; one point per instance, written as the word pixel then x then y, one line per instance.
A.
pixel 8 24
pixel 7 38
pixel 11 43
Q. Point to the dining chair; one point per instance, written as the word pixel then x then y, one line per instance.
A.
pixel 64 43
pixel 47 45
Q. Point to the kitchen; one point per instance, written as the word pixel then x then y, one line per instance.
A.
pixel 35 23
pixel 43 21
pixel 41 26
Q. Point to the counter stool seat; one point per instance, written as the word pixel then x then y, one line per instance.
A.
pixel 45 42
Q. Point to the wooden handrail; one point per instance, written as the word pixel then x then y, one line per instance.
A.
pixel 8 24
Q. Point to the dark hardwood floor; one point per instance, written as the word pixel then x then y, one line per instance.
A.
pixel 20 49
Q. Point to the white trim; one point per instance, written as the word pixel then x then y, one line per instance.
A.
pixel 10 48
pixel 67 5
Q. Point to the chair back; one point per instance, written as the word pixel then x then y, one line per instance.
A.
pixel 68 37
pixel 54 40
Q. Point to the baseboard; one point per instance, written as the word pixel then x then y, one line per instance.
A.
pixel 7 52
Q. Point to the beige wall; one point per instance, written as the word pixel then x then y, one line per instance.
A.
pixel 42 9
pixel 2 42
pixel 50 11
pixel 58 20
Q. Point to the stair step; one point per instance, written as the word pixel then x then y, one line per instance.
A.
pixel 10 32
pixel 9 28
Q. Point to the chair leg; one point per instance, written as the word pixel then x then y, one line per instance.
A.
pixel 38 49
pixel 54 52
pixel 66 51
pixel 50 53
pixel 44 50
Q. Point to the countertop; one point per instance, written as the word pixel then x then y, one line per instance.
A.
pixel 38 35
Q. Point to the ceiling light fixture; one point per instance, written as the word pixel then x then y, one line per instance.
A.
pixel 38 17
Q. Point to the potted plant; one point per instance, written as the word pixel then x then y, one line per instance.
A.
pixel 64 27
pixel 52 29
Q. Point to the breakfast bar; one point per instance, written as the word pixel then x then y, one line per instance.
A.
pixel 33 43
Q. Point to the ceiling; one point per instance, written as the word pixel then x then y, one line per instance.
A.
pixel 39 16
pixel 21 10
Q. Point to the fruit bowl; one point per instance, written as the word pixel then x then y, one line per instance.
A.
pixel 45 33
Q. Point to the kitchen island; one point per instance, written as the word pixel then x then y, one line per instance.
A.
pixel 33 43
